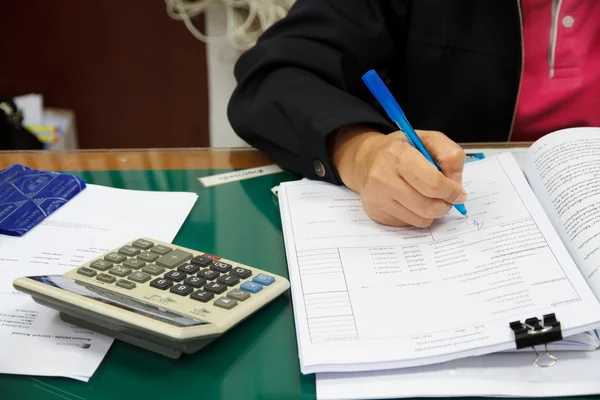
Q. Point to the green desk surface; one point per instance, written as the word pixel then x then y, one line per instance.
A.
pixel 258 359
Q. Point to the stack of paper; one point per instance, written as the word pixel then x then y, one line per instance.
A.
pixel 385 312
pixel 372 297
pixel 33 337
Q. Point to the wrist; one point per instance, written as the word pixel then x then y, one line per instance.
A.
pixel 350 148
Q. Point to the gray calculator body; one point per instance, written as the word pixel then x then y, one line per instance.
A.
pixel 158 296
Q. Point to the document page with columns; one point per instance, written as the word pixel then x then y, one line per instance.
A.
pixel 371 297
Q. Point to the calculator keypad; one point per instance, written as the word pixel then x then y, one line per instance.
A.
pixel 162 267
pixel 220 267
pixel 148 256
pixel 142 244
pixel 161 283
pixel 129 251
pixel 106 278
pixel 228 280
pixel 175 276
pixel 101 265
pixel 153 269
pixel 174 258
pixel 125 284
pixel 195 281
pixel 225 303
pixel 134 263
pixel 85 271
pixel 189 269
pixel 201 261
pixel 160 249
pixel 182 290
pixel 115 258
pixel 215 287
pixel 241 272
pixel 202 296
pixel 120 271
pixel 139 277
pixel 238 294
pixel 208 274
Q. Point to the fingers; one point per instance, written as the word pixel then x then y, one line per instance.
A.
pixel 395 214
pixel 448 155
pixel 425 178
pixel 388 197
pixel 399 186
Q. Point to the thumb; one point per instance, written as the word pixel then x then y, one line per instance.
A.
pixel 446 153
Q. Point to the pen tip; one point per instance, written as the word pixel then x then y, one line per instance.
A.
pixel 461 209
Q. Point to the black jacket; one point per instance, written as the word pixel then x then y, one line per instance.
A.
pixel 453 65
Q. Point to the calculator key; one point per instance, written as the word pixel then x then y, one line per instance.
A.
pixel 229 280
pixel 251 287
pixel 237 294
pixel 175 276
pixel 241 272
pixel 225 303
pixel 153 269
pixel 161 283
pixel 215 287
pixel 208 274
pixel 182 290
pixel 148 256
pixel 263 279
pixel 125 284
pixel 129 251
pixel 115 258
pixel 85 271
pixel 139 277
pixel 202 296
pixel 195 281
pixel 142 244
pixel 101 265
pixel 220 266
pixel 174 258
pixel 119 271
pixel 160 249
pixel 189 269
pixel 201 261
pixel 134 263
pixel 106 278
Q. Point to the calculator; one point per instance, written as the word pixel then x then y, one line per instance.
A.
pixel 165 298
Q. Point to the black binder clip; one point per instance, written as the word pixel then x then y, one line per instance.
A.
pixel 534 332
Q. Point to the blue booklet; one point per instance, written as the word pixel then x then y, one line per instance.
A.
pixel 27 196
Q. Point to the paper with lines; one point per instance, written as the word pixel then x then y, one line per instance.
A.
pixel 368 296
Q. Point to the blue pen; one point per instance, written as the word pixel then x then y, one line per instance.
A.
pixel 393 110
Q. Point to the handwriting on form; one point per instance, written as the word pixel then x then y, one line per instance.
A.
pixel 477 224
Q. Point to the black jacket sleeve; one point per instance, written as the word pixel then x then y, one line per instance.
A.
pixel 303 81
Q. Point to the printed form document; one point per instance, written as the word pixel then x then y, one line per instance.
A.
pixel 372 297
pixel 562 169
pixel 33 337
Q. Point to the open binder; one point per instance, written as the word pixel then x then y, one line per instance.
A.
pixel 518 273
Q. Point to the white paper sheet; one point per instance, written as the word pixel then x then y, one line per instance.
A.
pixel 492 375
pixel 32 337
pixel 517 152
pixel 368 296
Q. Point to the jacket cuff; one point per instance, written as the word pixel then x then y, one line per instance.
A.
pixel 316 161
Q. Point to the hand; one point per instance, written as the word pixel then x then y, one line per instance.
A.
pixel 396 183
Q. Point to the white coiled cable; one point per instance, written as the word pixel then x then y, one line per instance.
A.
pixel 246 19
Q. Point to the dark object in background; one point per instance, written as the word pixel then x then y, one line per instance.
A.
pixel 13 135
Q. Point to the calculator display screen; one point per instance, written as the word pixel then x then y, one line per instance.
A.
pixel 118 300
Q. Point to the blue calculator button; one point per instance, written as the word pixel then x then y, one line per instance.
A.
pixel 251 287
pixel 263 279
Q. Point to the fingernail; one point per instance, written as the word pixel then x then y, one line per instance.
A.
pixel 457 177
pixel 461 197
